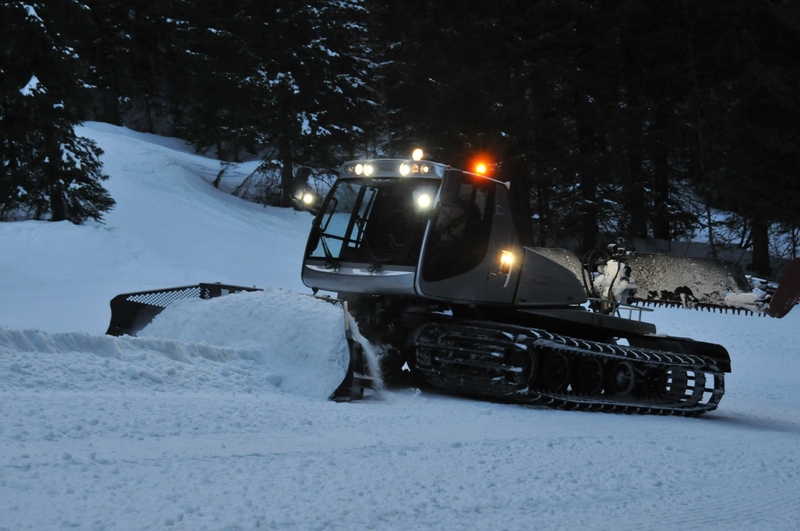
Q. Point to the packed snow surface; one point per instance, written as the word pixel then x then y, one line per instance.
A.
pixel 215 416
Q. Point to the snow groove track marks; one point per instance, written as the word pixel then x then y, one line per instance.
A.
pixel 472 358
pixel 765 504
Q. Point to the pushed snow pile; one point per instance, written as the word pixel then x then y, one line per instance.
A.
pixel 299 339
pixel 32 359
pixel 253 342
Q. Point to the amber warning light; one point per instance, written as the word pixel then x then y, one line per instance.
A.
pixel 506 265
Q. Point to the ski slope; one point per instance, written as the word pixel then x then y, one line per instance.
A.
pixel 215 417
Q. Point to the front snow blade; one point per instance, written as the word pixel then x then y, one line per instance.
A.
pixel 357 378
pixel 130 312
pixel 787 294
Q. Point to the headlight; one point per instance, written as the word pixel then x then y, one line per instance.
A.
pixel 424 201
pixel 364 169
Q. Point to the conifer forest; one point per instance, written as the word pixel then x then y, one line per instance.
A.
pixel 611 119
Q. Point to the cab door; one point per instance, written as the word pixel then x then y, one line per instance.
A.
pixel 465 241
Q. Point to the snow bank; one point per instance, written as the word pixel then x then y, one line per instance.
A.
pixel 272 340
pixel 298 337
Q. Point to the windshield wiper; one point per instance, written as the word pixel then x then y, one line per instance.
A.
pixel 330 261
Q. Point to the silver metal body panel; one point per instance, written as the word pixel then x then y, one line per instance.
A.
pixel 359 278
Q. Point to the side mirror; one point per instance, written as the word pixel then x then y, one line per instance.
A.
pixel 303 196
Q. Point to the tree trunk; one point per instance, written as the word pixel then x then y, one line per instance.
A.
pixel 54 186
pixel 635 199
pixel 287 177
pixel 661 223
pixel 588 223
pixel 761 261
pixel 520 198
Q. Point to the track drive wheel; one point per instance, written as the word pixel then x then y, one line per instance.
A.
pixel 588 376
pixel 554 372
pixel 524 368
pixel 621 379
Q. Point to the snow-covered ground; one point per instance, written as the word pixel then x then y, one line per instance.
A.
pixel 216 418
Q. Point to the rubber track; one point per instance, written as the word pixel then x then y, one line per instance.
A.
pixel 491 361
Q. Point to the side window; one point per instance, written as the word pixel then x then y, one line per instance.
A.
pixel 460 231
pixel 335 221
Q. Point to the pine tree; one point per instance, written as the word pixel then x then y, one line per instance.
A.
pixel 286 80
pixel 48 172
pixel 134 55
pixel 746 125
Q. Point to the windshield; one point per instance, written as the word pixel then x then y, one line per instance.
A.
pixel 378 221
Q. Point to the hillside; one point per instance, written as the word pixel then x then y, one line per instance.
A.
pixel 216 417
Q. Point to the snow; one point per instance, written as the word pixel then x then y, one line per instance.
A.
pixel 32 87
pixel 215 417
